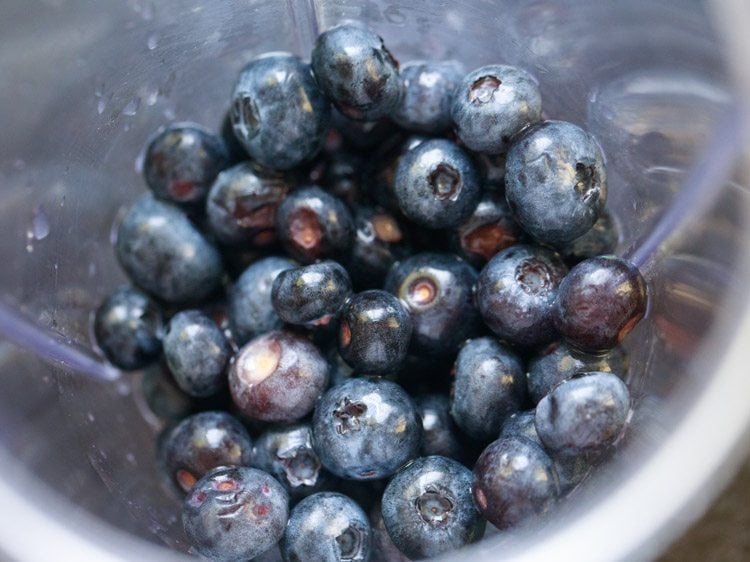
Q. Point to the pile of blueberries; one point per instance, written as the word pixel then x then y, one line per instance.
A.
pixel 396 285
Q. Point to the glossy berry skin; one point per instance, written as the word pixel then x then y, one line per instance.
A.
pixel 277 377
pixel 556 182
pixel 235 513
pixel 571 471
pixel 428 87
pixel 440 435
pixel 428 508
pixel 287 453
pixel 250 310
pixel 311 294
pixel 314 225
pixel 583 414
pixel 490 229
pixel 379 241
pixel 366 429
pixel 197 353
pixel 165 254
pixel 128 328
pixel 599 302
pixel 181 162
pixel 235 149
pixel 514 480
pixel 489 386
pixel 327 527
pixel 242 203
pixel 202 442
pixel 493 103
pixel 374 332
pixel 559 362
pixel 516 291
pixel 278 113
pixel 600 240
pixel 356 72
pixel 437 184
pixel 436 289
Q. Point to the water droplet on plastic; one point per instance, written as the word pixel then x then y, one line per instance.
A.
pixel 132 107
pixel 152 42
pixel 90 417
pixel 92 269
pixel 152 97
pixel 29 241
pixel 123 388
pixel 169 113
pixel 40 223
pixel 130 457
pixel 101 105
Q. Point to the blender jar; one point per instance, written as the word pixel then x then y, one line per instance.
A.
pixel 84 84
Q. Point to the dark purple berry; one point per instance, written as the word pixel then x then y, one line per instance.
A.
pixel 599 302
pixel 277 377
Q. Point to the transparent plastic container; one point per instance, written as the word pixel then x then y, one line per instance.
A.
pixel 84 83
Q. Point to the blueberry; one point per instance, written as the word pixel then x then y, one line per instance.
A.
pixel 158 396
pixel 165 254
pixel 327 527
pixel 493 103
pixel 428 508
pixel 181 161
pixel 514 480
pixel 583 414
pixel 428 88
pixel 440 436
pixel 379 241
pixel 379 171
pixel 559 362
pixel 235 513
pixel 242 205
pixel 362 135
pixel 250 310
pixel 277 377
pixel 570 471
pixel 287 453
pixel 356 71
pixel 521 424
pixel 437 291
pixel 555 182
pixel 202 442
pixel 600 301
pixel 128 328
pixel 490 229
pixel 342 177
pixel 437 184
pixel 489 386
pixel 383 549
pixel 311 294
pixel 366 429
pixel 278 113
pixel 235 149
pixel 601 239
pixel 197 353
pixel 339 369
pixel 516 292
pixel 374 332
pixel 313 225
